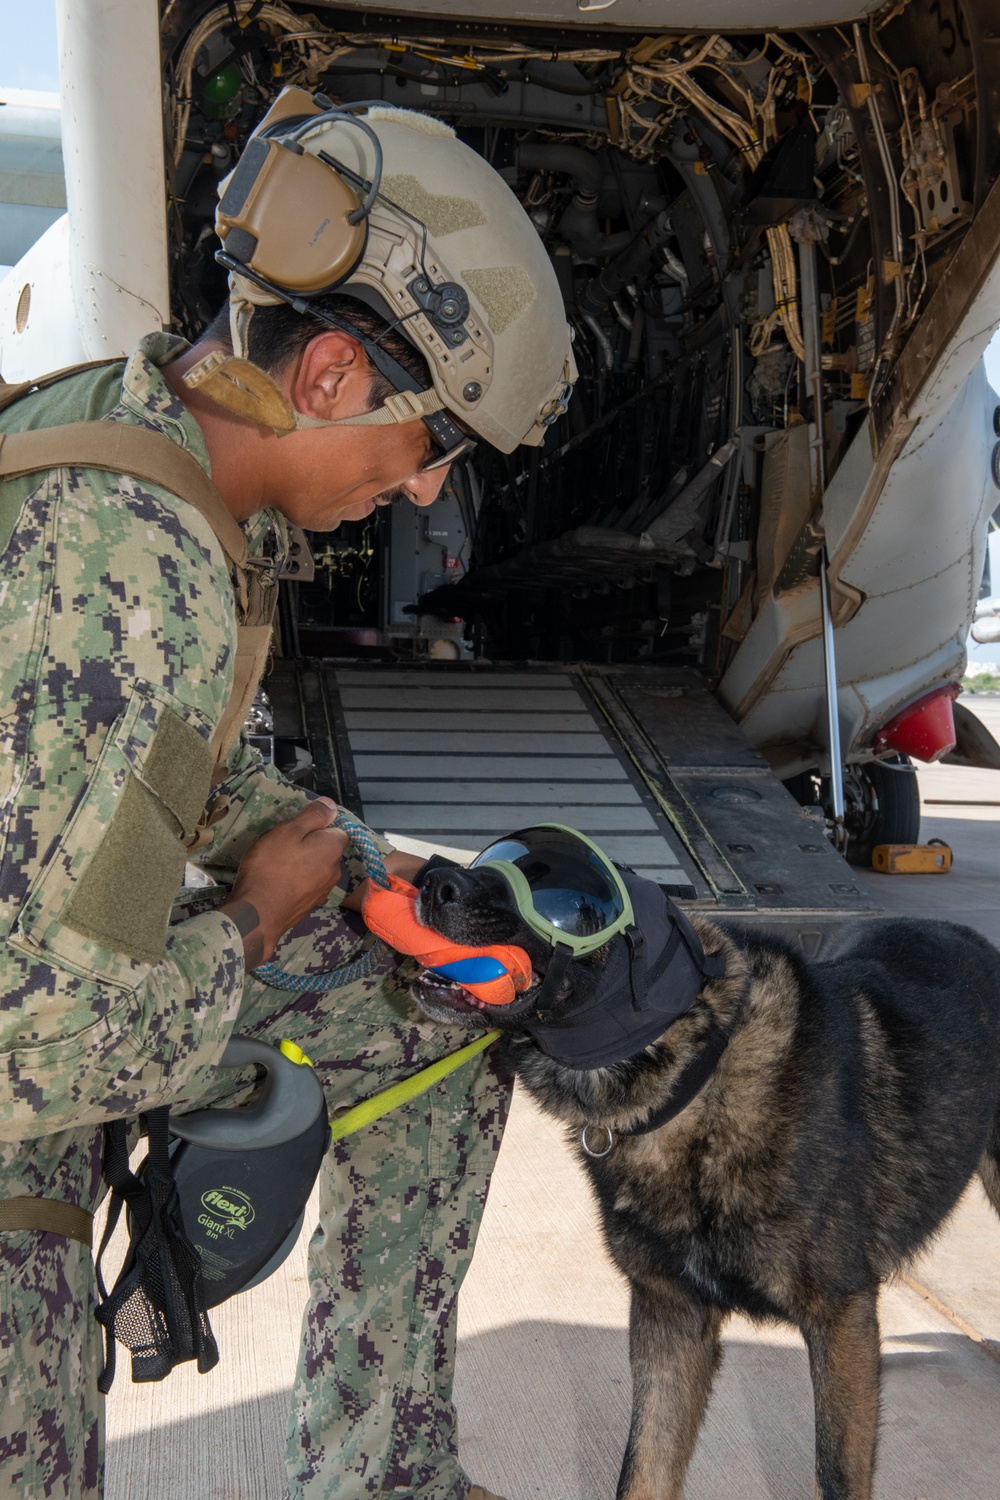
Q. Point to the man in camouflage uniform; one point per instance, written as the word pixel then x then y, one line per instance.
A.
pixel 118 616
pixel 118 628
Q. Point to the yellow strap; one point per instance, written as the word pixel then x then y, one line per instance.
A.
pixel 391 1098
pixel 125 449
pixel 47 1216
pixel 294 1053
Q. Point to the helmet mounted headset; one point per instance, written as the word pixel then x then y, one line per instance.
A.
pixel 323 200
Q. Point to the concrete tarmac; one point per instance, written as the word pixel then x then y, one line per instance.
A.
pixel 543 1382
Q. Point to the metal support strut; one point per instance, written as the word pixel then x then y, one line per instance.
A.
pixel 808 228
pixel 832 710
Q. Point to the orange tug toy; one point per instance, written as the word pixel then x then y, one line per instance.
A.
pixel 492 976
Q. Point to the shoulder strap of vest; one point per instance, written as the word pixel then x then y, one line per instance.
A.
pixel 11 392
pixel 124 449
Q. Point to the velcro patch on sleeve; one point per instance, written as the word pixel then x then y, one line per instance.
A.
pixel 123 898
pixel 101 901
pixel 177 768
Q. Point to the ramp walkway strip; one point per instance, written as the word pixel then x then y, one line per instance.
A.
pixel 458 760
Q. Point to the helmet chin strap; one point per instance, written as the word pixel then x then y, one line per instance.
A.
pixel 404 406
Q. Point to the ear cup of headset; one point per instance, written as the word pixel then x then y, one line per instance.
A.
pixel 286 216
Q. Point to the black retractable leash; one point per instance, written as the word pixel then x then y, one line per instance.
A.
pixel 244 1175
pixel 215 1208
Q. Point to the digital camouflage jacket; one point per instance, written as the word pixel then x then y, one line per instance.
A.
pixel 117 632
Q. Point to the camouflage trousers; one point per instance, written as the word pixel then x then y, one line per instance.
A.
pixel 371 1411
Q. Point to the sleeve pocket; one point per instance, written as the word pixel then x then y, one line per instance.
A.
pixel 100 904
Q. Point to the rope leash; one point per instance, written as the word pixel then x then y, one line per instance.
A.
pixel 358 968
pixel 397 1094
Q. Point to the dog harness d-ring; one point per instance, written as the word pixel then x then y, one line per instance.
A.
pixel 589 1149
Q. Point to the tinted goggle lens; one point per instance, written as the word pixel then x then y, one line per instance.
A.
pixel 571 885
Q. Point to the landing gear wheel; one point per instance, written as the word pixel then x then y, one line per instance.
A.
pixel 882 806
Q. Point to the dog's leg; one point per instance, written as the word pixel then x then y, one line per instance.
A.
pixel 989 1166
pixel 843 1345
pixel 674 1351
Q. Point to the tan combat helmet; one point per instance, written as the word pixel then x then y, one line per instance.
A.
pixel 388 206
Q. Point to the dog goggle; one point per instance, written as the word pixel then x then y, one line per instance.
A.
pixel 565 888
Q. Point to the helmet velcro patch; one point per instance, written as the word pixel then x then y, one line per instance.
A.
pixel 504 291
pixel 442 214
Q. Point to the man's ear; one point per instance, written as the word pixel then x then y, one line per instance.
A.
pixel 331 378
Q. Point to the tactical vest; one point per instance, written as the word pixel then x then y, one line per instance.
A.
pixel 124 449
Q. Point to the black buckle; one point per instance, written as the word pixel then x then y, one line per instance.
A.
pixel 561 955
pixel 636 941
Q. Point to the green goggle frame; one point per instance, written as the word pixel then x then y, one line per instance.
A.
pixel 574 896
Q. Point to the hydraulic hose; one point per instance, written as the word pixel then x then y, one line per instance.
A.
pixel 579 224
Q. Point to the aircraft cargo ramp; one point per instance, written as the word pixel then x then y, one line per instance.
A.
pixel 642 759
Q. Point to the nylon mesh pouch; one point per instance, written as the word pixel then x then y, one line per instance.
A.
pixel 157 1306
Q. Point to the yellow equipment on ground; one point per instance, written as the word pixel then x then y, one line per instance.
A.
pixel 912 859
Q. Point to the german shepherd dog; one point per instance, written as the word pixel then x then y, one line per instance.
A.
pixel 856 1098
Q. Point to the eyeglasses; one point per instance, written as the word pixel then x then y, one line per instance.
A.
pixel 564 886
pixel 449 438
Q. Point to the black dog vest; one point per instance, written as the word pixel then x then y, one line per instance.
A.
pixel 653 974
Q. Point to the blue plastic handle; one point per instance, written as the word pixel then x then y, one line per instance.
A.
pixel 471 970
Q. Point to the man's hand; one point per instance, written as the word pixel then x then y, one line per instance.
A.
pixel 282 877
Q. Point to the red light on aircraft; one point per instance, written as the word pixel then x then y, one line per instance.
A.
pixel 924 729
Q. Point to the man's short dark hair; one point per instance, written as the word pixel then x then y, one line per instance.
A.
pixel 279 334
